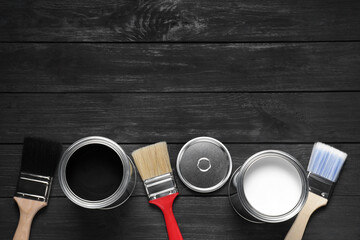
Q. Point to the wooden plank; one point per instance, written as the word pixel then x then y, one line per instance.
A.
pixel 179 67
pixel 348 185
pixel 198 218
pixel 176 118
pixel 185 20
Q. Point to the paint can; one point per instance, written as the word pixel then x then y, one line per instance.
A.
pixel 95 173
pixel 204 164
pixel 271 186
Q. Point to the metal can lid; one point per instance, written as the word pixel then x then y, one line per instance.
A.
pixel 204 164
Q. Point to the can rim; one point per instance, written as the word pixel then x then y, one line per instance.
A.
pixel 102 203
pixel 273 218
pixel 186 146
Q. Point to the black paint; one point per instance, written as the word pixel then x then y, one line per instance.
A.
pixel 94 172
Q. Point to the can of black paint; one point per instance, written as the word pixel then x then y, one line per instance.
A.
pixel 95 173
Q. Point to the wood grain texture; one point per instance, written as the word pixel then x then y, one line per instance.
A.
pixel 179 20
pixel 298 228
pixel 179 67
pixel 10 156
pixel 148 118
pixel 28 209
pixel 198 218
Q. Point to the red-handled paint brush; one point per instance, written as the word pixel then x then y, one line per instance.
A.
pixel 39 160
pixel 155 170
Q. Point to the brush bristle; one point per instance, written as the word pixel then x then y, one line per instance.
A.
pixel 40 156
pixel 326 161
pixel 152 161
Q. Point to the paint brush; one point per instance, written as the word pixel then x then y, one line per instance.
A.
pixel 323 171
pixel 39 160
pixel 155 170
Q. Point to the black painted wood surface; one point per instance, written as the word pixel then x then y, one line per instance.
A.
pixel 251 67
pixel 179 20
pixel 178 117
pixel 254 74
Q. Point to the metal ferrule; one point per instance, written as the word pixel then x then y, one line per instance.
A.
pixel 34 187
pixel 320 186
pixel 160 186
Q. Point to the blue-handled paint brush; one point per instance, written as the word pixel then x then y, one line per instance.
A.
pixel 323 171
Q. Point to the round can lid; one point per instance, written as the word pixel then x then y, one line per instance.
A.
pixel 204 164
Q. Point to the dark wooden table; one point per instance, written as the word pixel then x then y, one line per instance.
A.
pixel 254 74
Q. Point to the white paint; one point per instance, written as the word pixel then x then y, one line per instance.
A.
pixel 272 186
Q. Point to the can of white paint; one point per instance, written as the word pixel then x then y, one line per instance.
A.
pixel 271 186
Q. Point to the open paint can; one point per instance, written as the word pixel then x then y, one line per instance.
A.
pixel 96 173
pixel 271 186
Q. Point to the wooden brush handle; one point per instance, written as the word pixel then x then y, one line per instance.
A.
pixel 28 208
pixel 297 230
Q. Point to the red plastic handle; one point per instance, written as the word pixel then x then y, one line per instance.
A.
pixel 165 204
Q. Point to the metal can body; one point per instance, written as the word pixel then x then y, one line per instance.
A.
pixel 246 209
pixel 124 189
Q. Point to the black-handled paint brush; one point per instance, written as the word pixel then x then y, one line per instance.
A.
pixel 39 160
pixel 324 168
